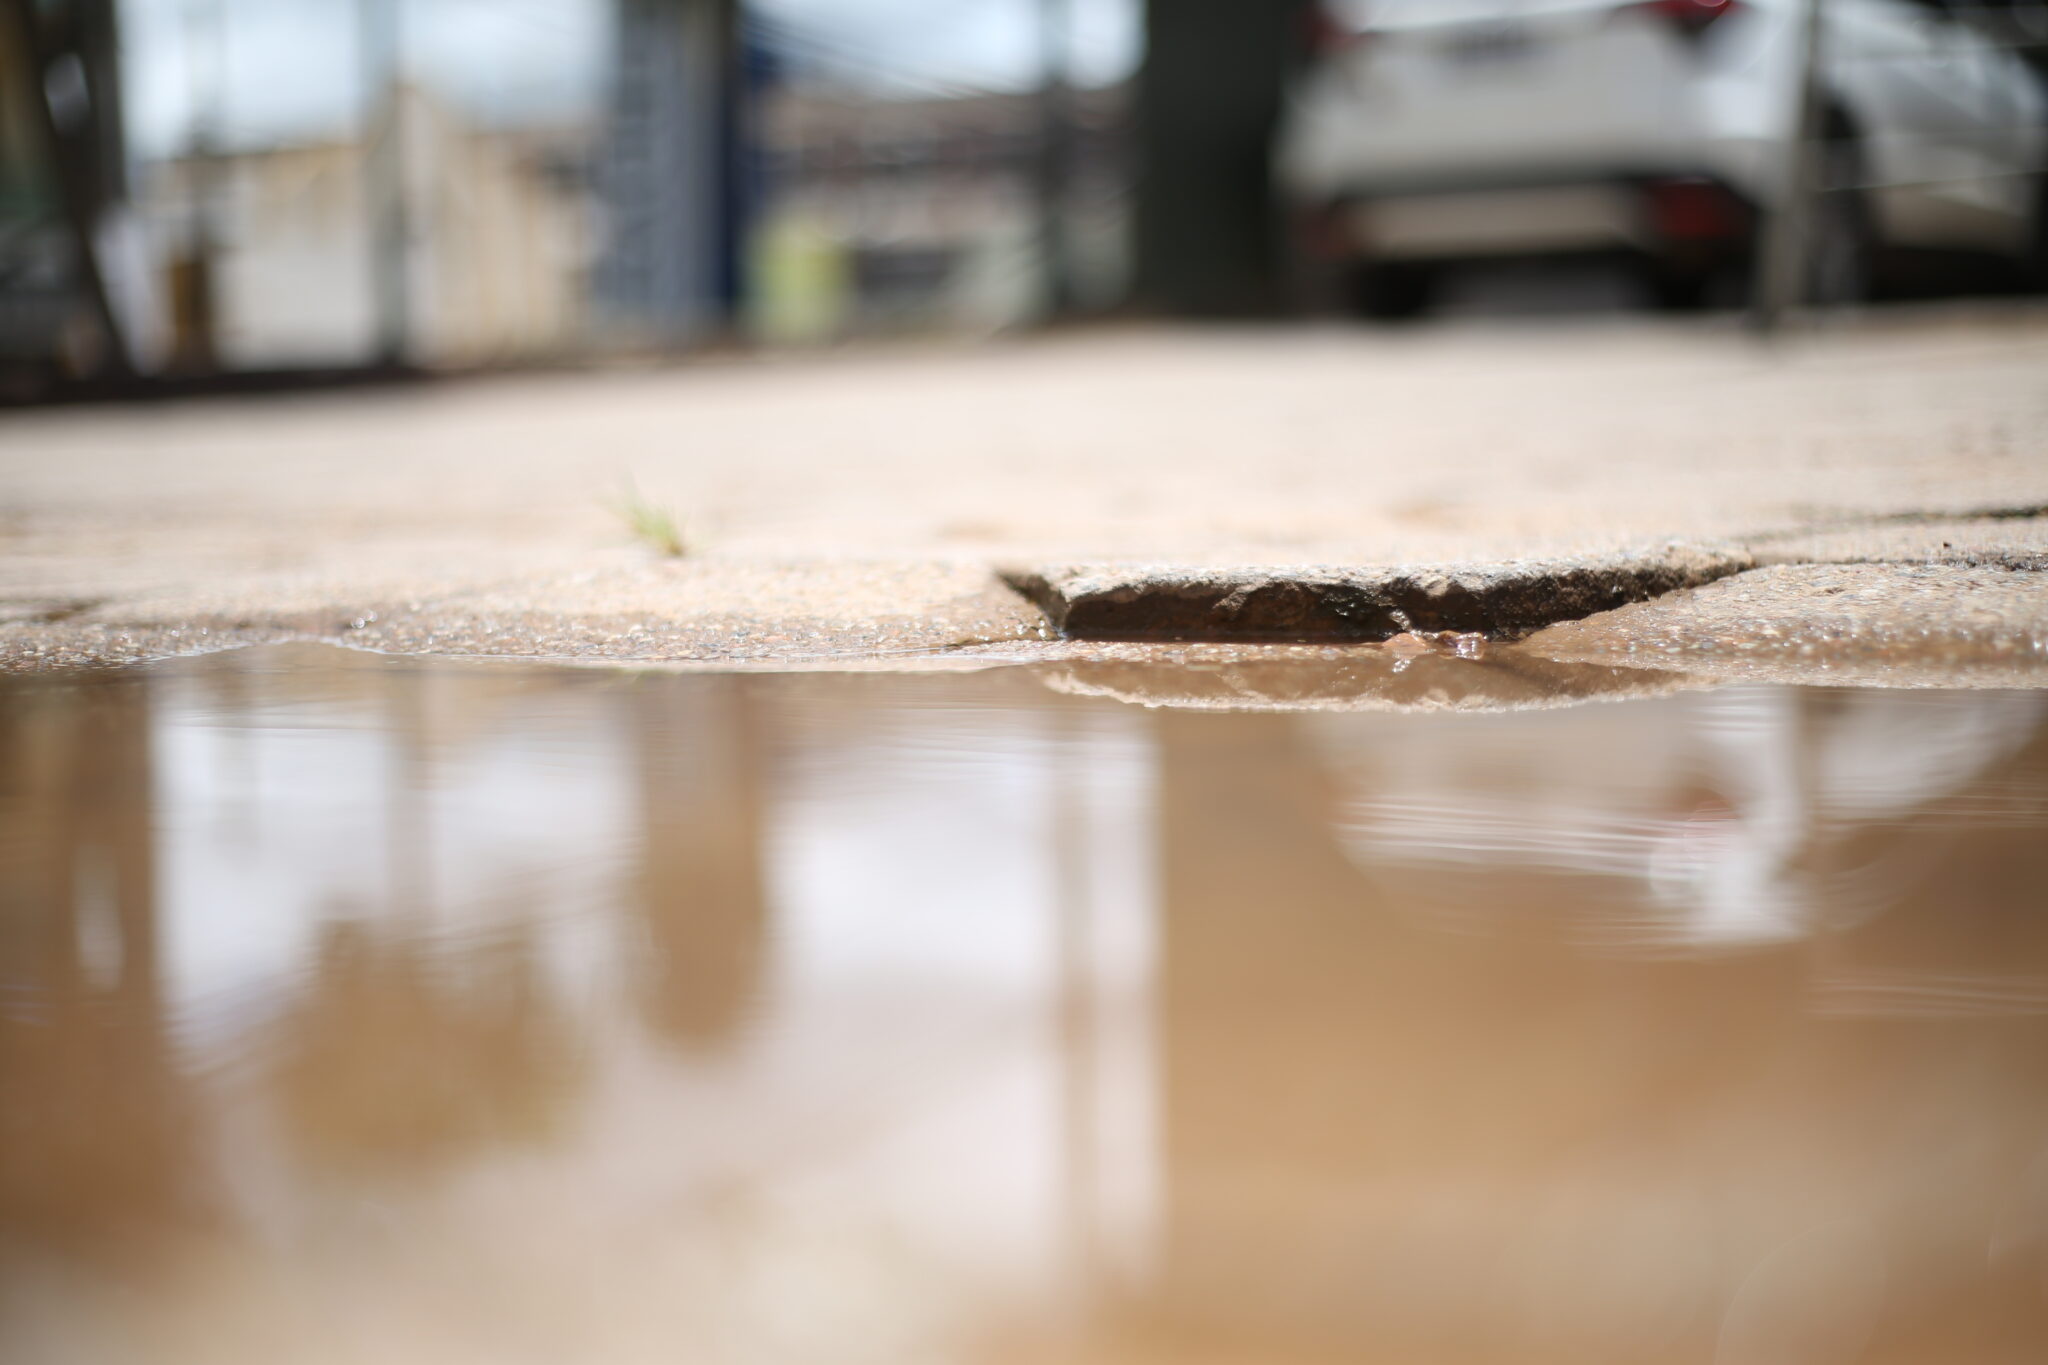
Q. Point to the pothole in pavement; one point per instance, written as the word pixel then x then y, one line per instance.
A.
pixel 1500 600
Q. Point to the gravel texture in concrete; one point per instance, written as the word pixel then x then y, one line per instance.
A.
pixel 1886 624
pixel 2016 542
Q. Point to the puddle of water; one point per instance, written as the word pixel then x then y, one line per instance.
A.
pixel 363 1011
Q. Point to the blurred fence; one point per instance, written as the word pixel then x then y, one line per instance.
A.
pixel 331 184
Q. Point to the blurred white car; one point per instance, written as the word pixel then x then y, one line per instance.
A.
pixel 1426 132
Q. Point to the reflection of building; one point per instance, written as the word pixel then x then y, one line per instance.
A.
pixel 499 230
pixel 930 202
pixel 702 913
pixel 600 1013
pixel 97 1130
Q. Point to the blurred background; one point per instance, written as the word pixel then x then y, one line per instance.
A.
pixel 200 191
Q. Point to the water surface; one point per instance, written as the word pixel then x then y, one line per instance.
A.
pixel 356 1010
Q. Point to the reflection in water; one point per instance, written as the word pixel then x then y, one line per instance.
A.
pixel 384 1061
pixel 96 1134
pixel 697 881
pixel 1743 816
pixel 361 1011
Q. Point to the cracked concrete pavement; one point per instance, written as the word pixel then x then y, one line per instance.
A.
pixel 1887 476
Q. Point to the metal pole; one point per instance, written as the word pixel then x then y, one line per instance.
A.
pixel 205 27
pixel 72 166
pixel 1781 266
pixel 1075 1003
pixel 1055 158
pixel 383 135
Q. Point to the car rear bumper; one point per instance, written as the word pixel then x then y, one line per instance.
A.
pixel 1655 215
pixel 1496 222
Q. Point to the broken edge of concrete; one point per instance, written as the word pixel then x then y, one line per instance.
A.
pixel 1501 600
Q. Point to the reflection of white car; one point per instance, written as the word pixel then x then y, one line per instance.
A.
pixel 1730 818
pixel 1431 131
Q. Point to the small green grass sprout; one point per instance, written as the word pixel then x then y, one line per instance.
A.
pixel 650 523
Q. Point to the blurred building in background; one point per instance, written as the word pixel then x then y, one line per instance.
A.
pixel 499 241
pixel 325 185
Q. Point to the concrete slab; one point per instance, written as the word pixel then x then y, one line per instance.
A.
pixel 734 610
pixel 1922 625
pixel 2008 542
pixel 858 505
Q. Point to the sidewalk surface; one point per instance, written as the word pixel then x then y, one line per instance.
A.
pixel 1887 477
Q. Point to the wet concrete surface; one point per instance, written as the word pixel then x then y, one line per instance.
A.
pixel 1914 625
pixel 2013 542
pixel 357 1009
pixel 862 506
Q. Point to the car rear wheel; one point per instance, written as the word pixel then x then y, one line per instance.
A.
pixel 1680 288
pixel 1386 291
pixel 2034 266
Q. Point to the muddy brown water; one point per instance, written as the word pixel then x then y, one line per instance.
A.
pixel 363 1011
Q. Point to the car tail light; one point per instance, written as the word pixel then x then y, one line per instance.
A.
pixel 1327 233
pixel 1695 210
pixel 1326 31
pixel 1690 17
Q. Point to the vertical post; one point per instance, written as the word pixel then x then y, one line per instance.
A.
pixel 1055 153
pixel 199 273
pixel 667 266
pixel 379 40
pixel 1781 271
pixel 1209 97
pixel 82 171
